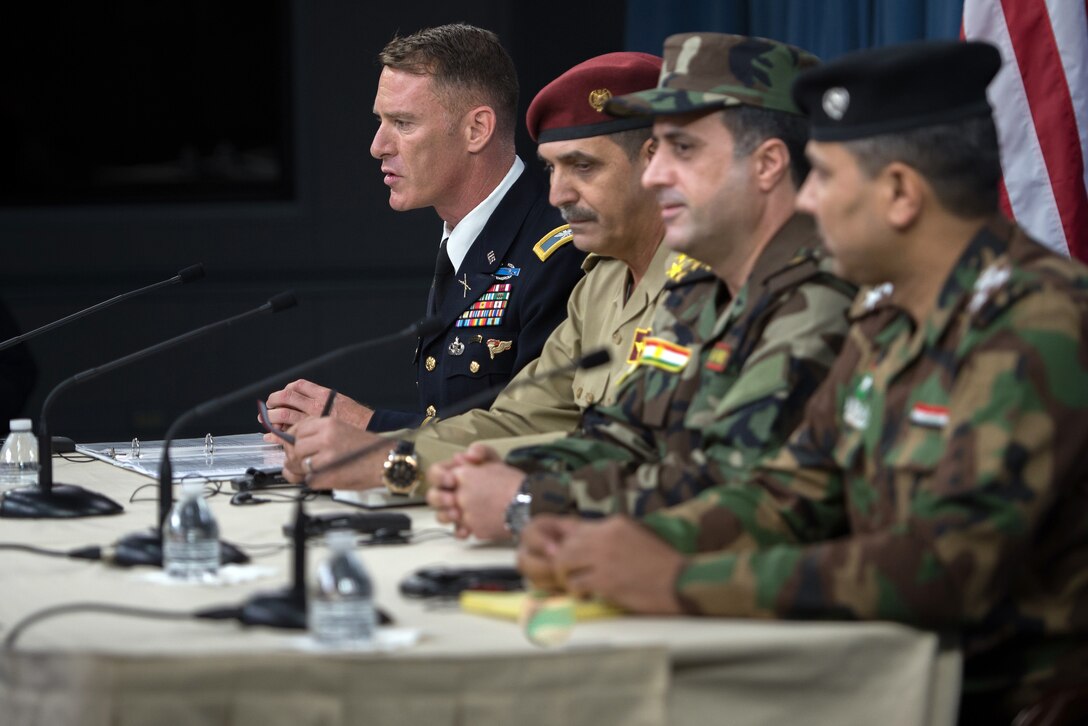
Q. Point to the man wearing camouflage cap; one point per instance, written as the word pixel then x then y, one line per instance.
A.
pixel 939 476
pixel 738 347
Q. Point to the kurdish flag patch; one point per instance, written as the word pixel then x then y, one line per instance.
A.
pixel 930 416
pixel 664 355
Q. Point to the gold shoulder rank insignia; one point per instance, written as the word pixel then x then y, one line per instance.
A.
pixel 552 241
pixel 682 265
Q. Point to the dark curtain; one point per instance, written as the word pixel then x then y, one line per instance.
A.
pixel 826 27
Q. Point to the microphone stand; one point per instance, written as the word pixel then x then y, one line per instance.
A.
pixel 193 272
pixel 145 548
pixel 284 608
pixel 65 501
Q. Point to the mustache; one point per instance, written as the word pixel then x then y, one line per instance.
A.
pixel 669 196
pixel 572 213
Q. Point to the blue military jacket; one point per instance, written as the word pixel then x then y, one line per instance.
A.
pixel 498 308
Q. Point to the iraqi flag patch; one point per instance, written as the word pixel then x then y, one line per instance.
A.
pixel 929 416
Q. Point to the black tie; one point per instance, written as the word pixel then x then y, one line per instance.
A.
pixel 443 270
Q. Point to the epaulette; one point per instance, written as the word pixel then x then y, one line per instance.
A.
pixel 683 269
pixel 552 241
pixel 869 299
pixel 996 289
pixel 803 266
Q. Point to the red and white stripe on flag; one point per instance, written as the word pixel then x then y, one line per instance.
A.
pixel 1040 101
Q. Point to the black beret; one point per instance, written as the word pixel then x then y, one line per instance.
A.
pixel 897 88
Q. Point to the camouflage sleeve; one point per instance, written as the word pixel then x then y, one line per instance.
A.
pixel 620 466
pixel 1002 479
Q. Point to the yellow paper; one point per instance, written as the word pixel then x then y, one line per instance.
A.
pixel 509 606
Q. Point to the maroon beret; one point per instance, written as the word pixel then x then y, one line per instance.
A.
pixel 572 106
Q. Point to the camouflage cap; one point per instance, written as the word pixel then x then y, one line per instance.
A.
pixel 714 70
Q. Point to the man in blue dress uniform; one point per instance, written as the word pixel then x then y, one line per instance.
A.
pixel 447 108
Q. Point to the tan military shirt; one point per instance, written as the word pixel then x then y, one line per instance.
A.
pixel 538 411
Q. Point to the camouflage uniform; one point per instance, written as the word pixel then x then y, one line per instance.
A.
pixel 730 388
pixel 927 484
pixel 598 316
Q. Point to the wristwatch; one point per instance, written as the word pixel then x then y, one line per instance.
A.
pixel 518 510
pixel 400 472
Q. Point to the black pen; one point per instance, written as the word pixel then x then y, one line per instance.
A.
pixel 262 409
pixel 328 403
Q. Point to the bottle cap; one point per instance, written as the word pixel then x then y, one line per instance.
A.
pixel 192 488
pixel 340 539
pixel 20 424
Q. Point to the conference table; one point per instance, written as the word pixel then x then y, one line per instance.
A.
pixel 438 665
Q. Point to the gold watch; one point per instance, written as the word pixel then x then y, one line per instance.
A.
pixel 400 472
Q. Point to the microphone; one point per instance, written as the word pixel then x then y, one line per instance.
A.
pixel 284 608
pixel 63 501
pixel 145 548
pixel 189 274
pixel 593 359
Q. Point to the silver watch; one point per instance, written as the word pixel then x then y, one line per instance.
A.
pixel 517 511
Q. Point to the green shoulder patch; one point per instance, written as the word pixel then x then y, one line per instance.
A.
pixel 552 241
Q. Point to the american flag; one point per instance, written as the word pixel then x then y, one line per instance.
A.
pixel 1040 101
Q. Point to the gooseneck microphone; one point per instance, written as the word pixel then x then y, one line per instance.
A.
pixel 189 274
pixel 63 501
pixel 593 359
pixel 145 548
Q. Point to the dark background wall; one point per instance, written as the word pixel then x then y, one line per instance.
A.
pixel 299 204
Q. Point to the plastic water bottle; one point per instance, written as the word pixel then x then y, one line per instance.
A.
pixel 341 602
pixel 19 456
pixel 190 539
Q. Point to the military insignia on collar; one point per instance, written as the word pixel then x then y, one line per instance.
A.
pixel 598 98
pixel 855 412
pixel 552 241
pixel 929 416
pixel 874 296
pixel 456 347
pixel 718 358
pixel 664 355
pixel 506 272
pixel 638 341
pixel 991 279
pixel 495 346
pixel 681 266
